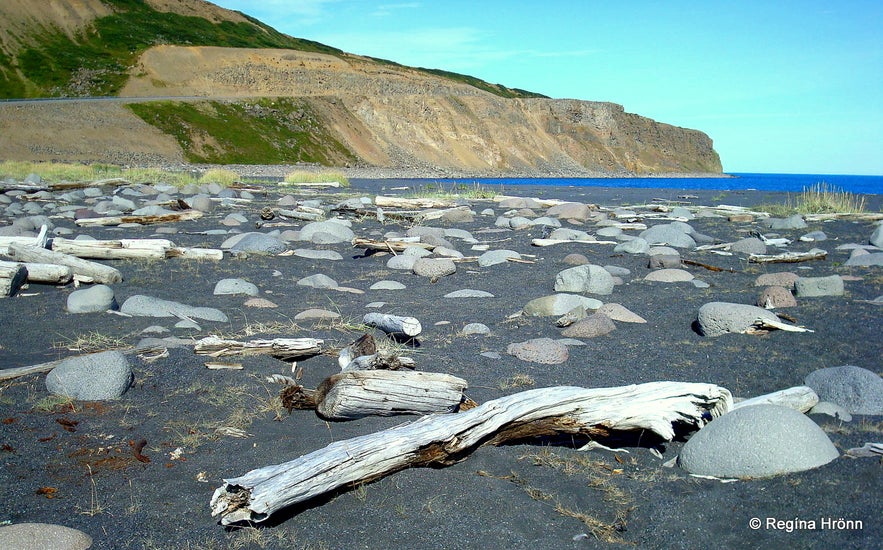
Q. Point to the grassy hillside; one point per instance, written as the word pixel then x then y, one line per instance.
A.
pixel 266 131
pixel 95 63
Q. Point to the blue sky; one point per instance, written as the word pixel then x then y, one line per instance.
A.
pixel 779 85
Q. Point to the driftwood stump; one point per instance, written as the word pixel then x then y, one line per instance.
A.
pixel 443 439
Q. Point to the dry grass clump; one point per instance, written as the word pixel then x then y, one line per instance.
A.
pixel 821 198
pixel 303 176
pixel 220 176
pixel 73 172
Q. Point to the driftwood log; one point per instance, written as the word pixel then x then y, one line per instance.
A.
pixel 12 277
pixel 788 257
pixel 550 242
pixel 143 220
pixel 122 249
pixel 400 202
pixel 41 273
pixel 393 245
pixel 393 324
pixel 356 394
pixel 285 349
pixel 188 253
pixel 800 398
pixel 443 439
pixel 98 273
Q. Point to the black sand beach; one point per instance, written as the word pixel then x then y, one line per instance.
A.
pixel 72 463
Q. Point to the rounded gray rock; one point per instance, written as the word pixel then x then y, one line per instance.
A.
pixel 637 245
pixel 258 243
pixel 776 297
pixel 434 267
pixel 718 318
pixel 813 287
pixel 469 293
pixel 494 257
pixel 597 324
pixel 91 300
pixel 318 280
pixel 475 329
pixel 540 350
pixel 757 441
pixel 341 233
pixel 590 278
pixel 140 305
pixel 877 237
pixel 858 390
pixel 559 304
pixel 402 262
pixel 750 245
pixel 95 377
pixel 670 234
pixel 791 222
pixel 43 536
pixel 235 286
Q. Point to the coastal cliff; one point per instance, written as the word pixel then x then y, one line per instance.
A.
pixel 309 102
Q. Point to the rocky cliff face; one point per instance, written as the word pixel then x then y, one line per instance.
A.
pixel 394 116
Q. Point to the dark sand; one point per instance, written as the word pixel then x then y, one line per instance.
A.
pixel 520 496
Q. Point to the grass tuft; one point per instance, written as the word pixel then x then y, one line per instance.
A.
pixel 821 198
pixel 474 191
pixel 303 176
pixel 220 176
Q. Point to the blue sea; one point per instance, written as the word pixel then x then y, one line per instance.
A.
pixel 760 182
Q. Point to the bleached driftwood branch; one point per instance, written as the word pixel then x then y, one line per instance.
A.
pixel 400 202
pixel 285 349
pixel 800 398
pixel 550 242
pixel 392 245
pixel 443 439
pixel 98 273
pixel 788 257
pixel 393 324
pixel 143 220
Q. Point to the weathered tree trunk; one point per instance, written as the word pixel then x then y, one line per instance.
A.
pixel 356 394
pixel 801 398
pixel 285 349
pixel 551 242
pixel 788 257
pixel 399 202
pixel 188 253
pixel 397 245
pixel 12 277
pixel 143 220
pixel 122 249
pixel 304 213
pixel 97 272
pixel 443 439
pixel 393 324
pixel 52 274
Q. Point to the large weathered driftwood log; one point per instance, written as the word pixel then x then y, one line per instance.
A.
pixel 285 349
pixel 122 249
pixel 42 273
pixel 400 202
pixel 788 257
pixel 143 220
pixel 99 273
pixel 395 245
pixel 442 439
pixel 12 277
pixel 356 394
pixel 550 242
pixel 393 324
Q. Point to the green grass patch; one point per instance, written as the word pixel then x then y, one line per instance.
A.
pixel 820 198
pixel 303 176
pixel 472 190
pixel 54 172
pixel 220 176
pixel 266 131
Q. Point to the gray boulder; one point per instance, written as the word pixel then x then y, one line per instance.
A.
pixel 865 260
pixel 140 305
pixel 403 262
pixel 318 254
pixel 434 267
pixel 637 245
pixel 235 286
pixel 597 324
pixel 494 257
pixel 718 318
pixel 318 281
pixel 469 293
pixel 479 329
pixel 540 350
pixel 43 536
pixel 95 377
pixel 670 234
pixel 757 441
pixel 91 300
pixel 340 233
pixel 776 297
pixel 784 278
pixel 258 243
pixel 877 237
pixel 858 390
pixel 590 278
pixel 559 304
pixel 812 287
pixel 792 222
pixel 750 245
